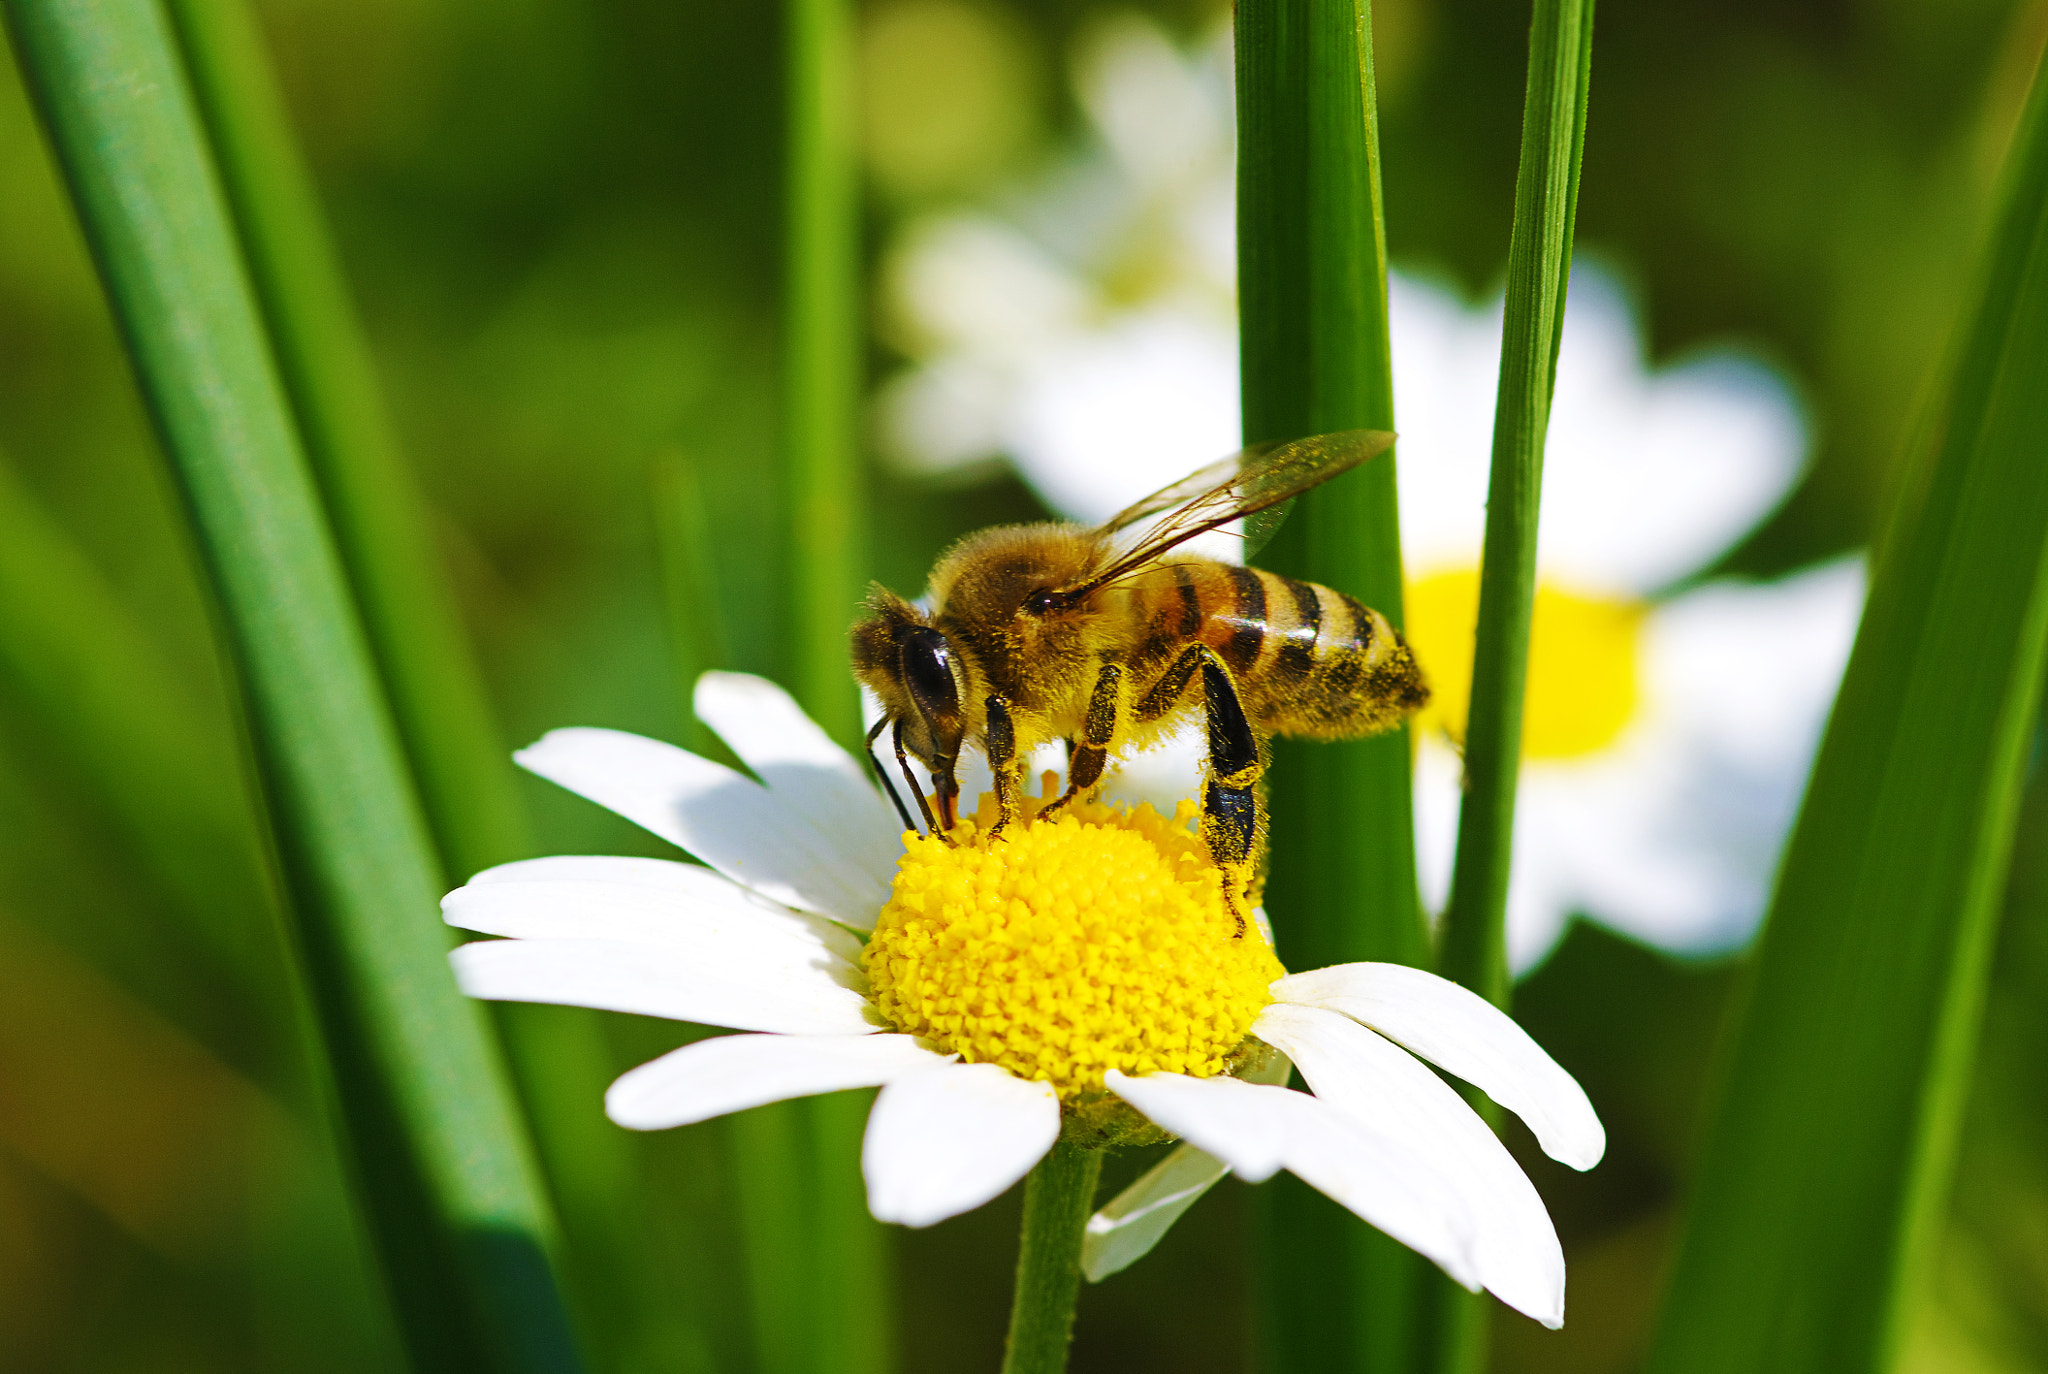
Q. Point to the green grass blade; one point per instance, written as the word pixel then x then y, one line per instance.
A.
pixel 464 1233
pixel 1312 305
pixel 822 361
pixel 1539 266
pixel 770 1154
pixel 852 1282
pixel 381 523
pixel 383 531
pixel 1473 947
pixel 1828 1160
pixel 845 1306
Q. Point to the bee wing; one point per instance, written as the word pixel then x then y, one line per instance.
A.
pixel 1254 484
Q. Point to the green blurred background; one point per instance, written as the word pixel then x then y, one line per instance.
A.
pixel 561 220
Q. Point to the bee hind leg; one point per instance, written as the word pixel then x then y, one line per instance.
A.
pixel 1087 758
pixel 1233 822
pixel 1232 810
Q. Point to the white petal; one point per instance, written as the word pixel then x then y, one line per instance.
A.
pixel 666 875
pixel 1654 473
pixel 1123 1232
pixel 1516 1253
pixel 808 773
pixel 655 981
pixel 1657 472
pixel 1383 1186
pixel 1459 1030
pixel 1446 365
pixel 1126 1230
pixel 1258 1129
pixel 734 1072
pixel 729 821
pixel 1235 1121
pixel 945 1141
pixel 709 914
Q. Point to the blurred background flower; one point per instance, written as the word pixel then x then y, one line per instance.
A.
pixel 561 221
pixel 1667 734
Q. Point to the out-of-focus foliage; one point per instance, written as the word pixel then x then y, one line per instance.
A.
pixel 561 222
pixel 1822 1184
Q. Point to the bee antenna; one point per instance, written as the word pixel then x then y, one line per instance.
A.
pixel 882 775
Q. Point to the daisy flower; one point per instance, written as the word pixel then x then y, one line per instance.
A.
pixel 1667 737
pixel 1079 978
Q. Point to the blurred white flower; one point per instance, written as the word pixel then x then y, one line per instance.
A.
pixel 1092 325
pixel 1665 740
pixel 1086 333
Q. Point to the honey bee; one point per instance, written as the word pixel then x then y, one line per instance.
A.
pixel 1095 636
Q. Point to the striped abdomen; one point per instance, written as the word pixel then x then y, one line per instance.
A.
pixel 1308 660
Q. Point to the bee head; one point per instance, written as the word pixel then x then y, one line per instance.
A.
pixel 909 664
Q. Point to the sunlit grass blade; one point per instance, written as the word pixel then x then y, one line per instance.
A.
pixel 845 1307
pixel 822 360
pixel 464 1233
pixel 1312 304
pixel 1539 267
pixel 1827 1165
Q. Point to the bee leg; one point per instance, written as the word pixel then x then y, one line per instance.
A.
pixel 882 775
pixel 1086 762
pixel 1166 691
pixel 910 779
pixel 1231 811
pixel 1002 761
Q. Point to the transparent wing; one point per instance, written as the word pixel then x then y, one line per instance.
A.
pixel 1254 485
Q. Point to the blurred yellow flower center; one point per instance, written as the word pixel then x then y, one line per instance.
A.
pixel 1096 939
pixel 1583 657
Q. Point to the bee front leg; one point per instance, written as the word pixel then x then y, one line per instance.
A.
pixel 931 826
pixel 1002 761
pixel 1086 760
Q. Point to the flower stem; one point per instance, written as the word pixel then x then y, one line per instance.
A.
pixel 1057 1198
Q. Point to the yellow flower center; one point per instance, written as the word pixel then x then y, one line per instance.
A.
pixel 1583 655
pixel 1095 939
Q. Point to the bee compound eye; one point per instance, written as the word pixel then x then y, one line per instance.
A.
pixel 928 670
